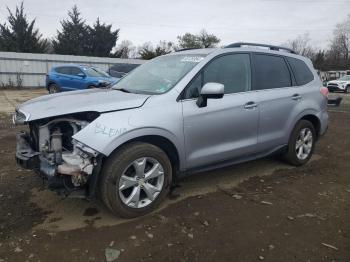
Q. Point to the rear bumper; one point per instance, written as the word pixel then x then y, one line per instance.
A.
pixel 324 123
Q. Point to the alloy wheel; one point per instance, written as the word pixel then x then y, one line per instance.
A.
pixel 304 144
pixel 141 182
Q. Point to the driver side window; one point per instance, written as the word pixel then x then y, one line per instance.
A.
pixel 233 71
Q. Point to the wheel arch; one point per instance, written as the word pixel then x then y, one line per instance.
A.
pixel 316 122
pixel 163 143
pixel 51 82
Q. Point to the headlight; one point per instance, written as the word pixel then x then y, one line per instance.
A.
pixel 103 83
pixel 19 118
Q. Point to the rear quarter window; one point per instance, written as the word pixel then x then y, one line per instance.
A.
pixel 301 71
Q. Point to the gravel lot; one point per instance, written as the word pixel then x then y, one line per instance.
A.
pixel 263 210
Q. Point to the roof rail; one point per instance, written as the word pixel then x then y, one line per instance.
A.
pixel 185 49
pixel 271 47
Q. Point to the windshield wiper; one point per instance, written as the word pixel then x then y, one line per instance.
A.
pixel 123 90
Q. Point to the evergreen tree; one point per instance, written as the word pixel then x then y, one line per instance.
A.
pixel 102 39
pixel 20 34
pixel 74 36
pixel 147 51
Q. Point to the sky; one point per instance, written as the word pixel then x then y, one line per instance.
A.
pixel 140 21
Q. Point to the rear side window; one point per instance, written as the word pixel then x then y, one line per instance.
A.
pixel 63 70
pixel 124 68
pixel 75 71
pixel 270 72
pixel 301 71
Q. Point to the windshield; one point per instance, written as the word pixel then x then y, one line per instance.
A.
pixel 94 72
pixel 158 75
pixel 345 78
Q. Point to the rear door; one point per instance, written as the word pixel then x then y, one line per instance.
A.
pixel 62 77
pixel 277 98
pixel 226 128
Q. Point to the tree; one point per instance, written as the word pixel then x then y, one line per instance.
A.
pixel 201 40
pixel 188 40
pixel 147 51
pixel 74 36
pixel 319 60
pixel 101 39
pixel 125 50
pixel 301 45
pixel 340 45
pixel 20 35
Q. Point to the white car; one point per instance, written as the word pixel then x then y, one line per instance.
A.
pixel 342 84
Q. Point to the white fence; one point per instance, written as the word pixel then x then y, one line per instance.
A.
pixel 29 70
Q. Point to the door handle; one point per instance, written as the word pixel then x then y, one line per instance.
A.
pixel 250 105
pixel 296 97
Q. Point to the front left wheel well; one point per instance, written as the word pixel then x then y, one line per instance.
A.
pixel 163 143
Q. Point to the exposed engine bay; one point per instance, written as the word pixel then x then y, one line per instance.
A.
pixel 49 149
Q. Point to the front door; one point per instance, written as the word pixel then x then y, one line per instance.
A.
pixel 226 128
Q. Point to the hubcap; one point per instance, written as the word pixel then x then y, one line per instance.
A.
pixel 141 182
pixel 304 143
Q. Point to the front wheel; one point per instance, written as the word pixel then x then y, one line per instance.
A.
pixel 135 179
pixel 301 143
pixel 347 90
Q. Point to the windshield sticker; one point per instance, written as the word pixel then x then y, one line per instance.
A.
pixel 192 59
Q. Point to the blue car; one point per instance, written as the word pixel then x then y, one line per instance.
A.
pixel 76 77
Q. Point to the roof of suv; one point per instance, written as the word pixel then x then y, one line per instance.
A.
pixel 248 48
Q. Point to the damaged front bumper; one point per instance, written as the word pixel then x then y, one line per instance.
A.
pixel 26 157
pixel 64 172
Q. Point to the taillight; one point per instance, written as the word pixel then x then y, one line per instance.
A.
pixel 324 91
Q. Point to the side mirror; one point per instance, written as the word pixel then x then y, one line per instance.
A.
pixel 210 91
pixel 82 75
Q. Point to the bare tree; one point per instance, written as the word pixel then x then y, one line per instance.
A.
pixel 340 45
pixel 125 49
pixel 301 45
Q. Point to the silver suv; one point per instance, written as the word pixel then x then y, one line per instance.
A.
pixel 180 113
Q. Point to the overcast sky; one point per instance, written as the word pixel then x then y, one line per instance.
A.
pixel 265 21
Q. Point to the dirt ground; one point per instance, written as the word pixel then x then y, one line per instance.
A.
pixel 263 210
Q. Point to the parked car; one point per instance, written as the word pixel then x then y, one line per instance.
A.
pixel 342 84
pixel 75 77
pixel 177 114
pixel 121 69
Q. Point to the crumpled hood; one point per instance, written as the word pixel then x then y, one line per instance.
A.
pixel 98 100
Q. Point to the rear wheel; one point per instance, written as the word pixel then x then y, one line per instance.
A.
pixel 301 143
pixel 91 87
pixel 53 88
pixel 135 179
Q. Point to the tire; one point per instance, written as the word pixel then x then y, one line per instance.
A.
pixel 347 89
pixel 53 88
pixel 91 87
pixel 292 156
pixel 121 165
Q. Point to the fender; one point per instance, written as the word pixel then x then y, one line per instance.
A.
pixel 111 130
pixel 300 116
